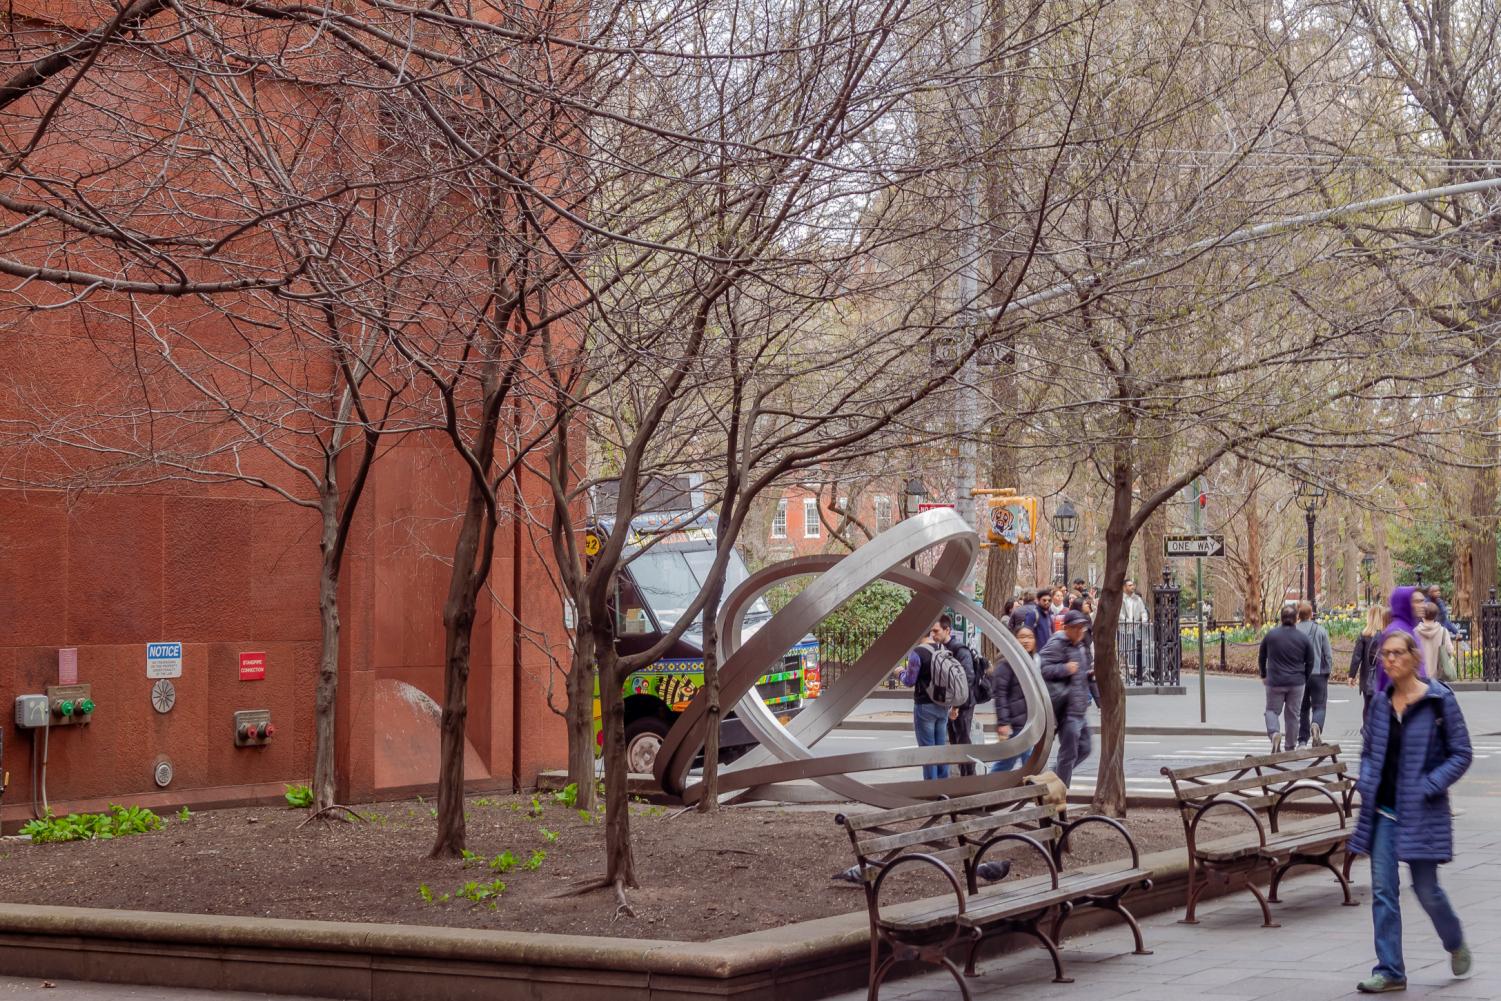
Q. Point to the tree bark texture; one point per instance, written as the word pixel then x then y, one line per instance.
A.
pixel 580 718
pixel 620 862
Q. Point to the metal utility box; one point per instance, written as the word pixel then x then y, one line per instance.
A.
pixel 70 704
pixel 253 728
pixel 31 711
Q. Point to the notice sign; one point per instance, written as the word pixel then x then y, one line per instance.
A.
pixel 252 667
pixel 163 660
pixel 67 666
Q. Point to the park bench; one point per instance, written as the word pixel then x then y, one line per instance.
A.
pixel 954 836
pixel 1261 787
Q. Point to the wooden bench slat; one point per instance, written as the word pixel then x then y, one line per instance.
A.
pixel 1255 761
pixel 940 807
pixel 1009 899
pixel 1277 846
pixel 946 832
pixel 1199 793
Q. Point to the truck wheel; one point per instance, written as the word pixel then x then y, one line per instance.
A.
pixel 643 739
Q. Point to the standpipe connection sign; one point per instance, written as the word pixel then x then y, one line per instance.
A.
pixel 1194 545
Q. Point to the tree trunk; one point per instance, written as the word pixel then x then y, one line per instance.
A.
pixel 1110 783
pixel 580 717
pixel 324 780
pixel 465 580
pixel 1385 577
pixel 1252 595
pixel 1479 527
pixel 1156 460
pixel 620 863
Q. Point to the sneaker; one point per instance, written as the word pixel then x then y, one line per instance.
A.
pixel 1378 984
pixel 1316 735
pixel 1276 743
pixel 1459 963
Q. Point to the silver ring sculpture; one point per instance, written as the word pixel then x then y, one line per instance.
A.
pixel 772 770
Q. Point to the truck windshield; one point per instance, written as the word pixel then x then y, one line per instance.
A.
pixel 669 579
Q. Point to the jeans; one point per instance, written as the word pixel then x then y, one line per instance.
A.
pixel 959 734
pixel 1315 705
pixel 1285 701
pixel 1073 746
pixel 1386 911
pixel 932 725
pixel 1006 764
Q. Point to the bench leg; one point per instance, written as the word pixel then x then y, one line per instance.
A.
pixel 1278 871
pixel 1197 882
pixel 1266 911
pixel 949 965
pixel 1059 977
pixel 877 975
pixel 976 936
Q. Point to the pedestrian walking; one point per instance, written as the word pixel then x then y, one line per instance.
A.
pixel 1065 665
pixel 1363 659
pixel 1416 747
pixel 1285 661
pixel 1011 700
pixel 1436 596
pixel 1436 644
pixel 961 717
pixel 930 719
pixel 1406 607
pixel 1315 705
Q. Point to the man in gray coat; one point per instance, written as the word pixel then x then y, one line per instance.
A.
pixel 1316 692
pixel 1286 660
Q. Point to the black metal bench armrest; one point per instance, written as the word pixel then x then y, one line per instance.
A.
pixel 1202 811
pixel 1282 796
pixel 888 868
pixel 1061 845
pixel 971 867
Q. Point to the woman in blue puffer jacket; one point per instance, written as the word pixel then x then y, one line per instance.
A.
pixel 1416 747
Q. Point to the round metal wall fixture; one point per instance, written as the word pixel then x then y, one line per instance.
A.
pixel 162 773
pixel 163 696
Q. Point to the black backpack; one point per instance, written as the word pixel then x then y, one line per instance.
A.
pixel 984 682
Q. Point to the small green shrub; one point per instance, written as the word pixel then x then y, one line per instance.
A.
pixel 184 815
pixel 299 797
pixel 535 862
pixel 551 837
pixel 119 822
pixel 567 796
pixel 504 862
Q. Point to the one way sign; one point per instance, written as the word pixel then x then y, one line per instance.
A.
pixel 1194 545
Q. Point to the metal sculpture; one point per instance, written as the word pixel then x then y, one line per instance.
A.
pixel 785 754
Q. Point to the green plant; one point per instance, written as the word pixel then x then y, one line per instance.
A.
pixel 468 856
pixel 184 815
pixel 536 810
pixel 481 893
pixel 551 837
pixel 299 797
pixel 535 862
pixel 504 862
pixel 119 822
pixel 588 817
pixel 426 893
pixel 568 795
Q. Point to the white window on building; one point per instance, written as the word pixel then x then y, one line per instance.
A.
pixel 883 512
pixel 811 528
pixel 779 520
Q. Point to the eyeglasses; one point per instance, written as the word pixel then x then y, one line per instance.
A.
pixel 1392 654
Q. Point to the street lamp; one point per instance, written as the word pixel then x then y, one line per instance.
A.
pixel 1065 523
pixel 1311 497
pixel 913 495
pixel 1367 571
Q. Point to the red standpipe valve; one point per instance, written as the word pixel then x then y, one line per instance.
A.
pixel 266 730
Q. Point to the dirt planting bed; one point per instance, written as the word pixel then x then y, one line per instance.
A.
pixel 702 877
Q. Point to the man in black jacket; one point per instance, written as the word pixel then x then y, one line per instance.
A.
pixel 961 718
pixel 1010 700
pixel 1065 664
pixel 1286 660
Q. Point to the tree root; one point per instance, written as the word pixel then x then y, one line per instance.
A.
pixel 623 907
pixel 579 889
pixel 328 812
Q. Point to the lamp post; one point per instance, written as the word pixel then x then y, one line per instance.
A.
pixel 1065 523
pixel 912 496
pixel 1367 571
pixel 1311 497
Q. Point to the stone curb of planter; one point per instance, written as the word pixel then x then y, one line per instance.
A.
pixel 373 962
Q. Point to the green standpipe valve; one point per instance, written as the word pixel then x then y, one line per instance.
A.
pixel 85 707
pixel 65 707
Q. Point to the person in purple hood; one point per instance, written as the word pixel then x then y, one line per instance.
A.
pixel 1404 620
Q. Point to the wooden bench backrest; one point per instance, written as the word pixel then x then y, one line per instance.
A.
pixel 1258 780
pixel 951 830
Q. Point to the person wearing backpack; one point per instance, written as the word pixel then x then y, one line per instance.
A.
pixel 939 687
pixel 962 717
pixel 1065 665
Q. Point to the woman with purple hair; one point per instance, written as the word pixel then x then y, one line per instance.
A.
pixel 1404 604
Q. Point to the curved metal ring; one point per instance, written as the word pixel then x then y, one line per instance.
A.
pixel 785 753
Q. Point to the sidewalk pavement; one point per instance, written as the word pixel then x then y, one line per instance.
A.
pixel 1321 951
pixel 1235 705
pixel 74 990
